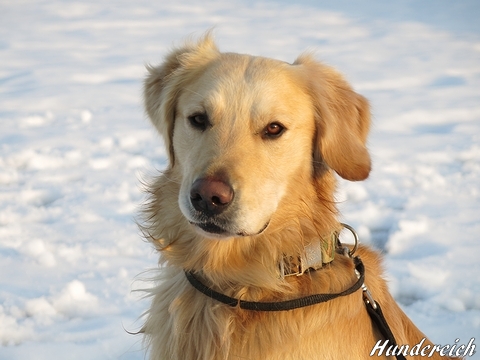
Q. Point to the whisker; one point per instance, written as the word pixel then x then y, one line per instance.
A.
pixel 194 92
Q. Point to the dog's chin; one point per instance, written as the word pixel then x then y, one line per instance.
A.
pixel 212 230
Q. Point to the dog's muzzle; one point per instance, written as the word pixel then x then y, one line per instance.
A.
pixel 210 198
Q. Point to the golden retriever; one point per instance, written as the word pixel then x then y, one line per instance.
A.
pixel 253 144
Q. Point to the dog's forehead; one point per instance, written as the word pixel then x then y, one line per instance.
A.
pixel 247 84
pixel 250 70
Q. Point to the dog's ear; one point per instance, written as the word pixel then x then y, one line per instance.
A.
pixel 164 83
pixel 342 122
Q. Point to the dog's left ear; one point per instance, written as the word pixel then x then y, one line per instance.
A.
pixel 342 122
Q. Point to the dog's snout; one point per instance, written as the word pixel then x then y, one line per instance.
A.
pixel 211 197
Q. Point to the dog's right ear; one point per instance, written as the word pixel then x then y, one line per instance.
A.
pixel 165 82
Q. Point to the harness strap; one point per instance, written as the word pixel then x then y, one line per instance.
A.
pixel 377 317
pixel 280 305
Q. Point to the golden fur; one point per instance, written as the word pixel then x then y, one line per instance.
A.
pixel 286 182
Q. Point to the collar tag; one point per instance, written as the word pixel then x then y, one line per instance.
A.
pixel 312 256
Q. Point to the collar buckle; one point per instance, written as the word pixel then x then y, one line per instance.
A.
pixel 316 254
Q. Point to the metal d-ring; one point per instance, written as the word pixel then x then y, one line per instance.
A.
pixel 355 237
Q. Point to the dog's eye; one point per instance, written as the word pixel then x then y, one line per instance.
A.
pixel 199 121
pixel 273 130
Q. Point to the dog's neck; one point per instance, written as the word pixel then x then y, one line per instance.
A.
pixel 254 262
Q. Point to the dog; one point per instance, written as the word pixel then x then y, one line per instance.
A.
pixel 245 211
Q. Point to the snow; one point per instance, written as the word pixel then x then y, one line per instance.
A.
pixel 75 145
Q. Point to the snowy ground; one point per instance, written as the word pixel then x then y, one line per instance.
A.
pixel 74 143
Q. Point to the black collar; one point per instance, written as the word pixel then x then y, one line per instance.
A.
pixel 279 305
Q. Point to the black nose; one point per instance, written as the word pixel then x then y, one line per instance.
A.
pixel 211 196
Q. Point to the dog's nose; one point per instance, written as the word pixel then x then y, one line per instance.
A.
pixel 211 196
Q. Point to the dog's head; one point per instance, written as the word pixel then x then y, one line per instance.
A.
pixel 241 131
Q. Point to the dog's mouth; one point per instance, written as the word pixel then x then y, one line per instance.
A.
pixel 211 228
